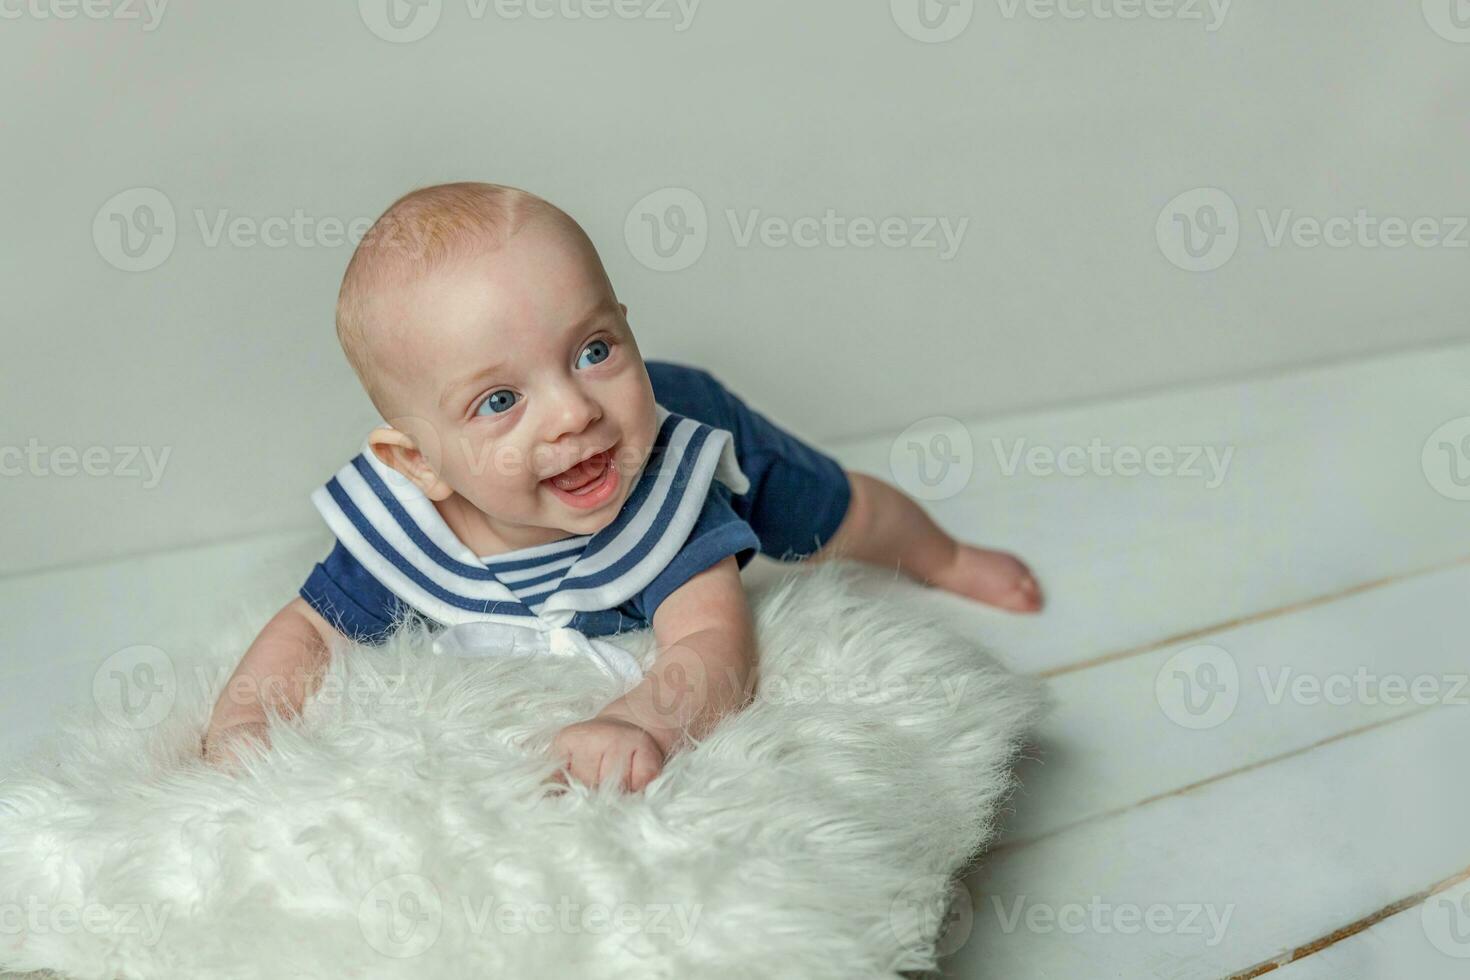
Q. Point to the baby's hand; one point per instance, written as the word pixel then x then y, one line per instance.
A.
pixel 609 748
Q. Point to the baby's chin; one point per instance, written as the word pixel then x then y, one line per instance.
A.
pixel 589 525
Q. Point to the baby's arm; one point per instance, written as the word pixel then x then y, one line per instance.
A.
pixel 703 672
pixel 282 667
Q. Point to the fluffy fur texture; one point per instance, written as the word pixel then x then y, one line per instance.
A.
pixel 404 827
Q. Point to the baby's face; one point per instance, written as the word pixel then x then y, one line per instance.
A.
pixel 522 364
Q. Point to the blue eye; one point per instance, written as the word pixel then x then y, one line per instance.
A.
pixel 496 402
pixel 594 353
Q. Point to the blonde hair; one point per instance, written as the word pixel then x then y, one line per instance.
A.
pixel 418 232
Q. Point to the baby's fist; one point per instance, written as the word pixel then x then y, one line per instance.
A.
pixel 609 749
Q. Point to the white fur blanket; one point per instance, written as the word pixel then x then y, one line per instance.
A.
pixel 403 827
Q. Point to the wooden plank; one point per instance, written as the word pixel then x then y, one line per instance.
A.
pixel 1233 873
pixel 1427 939
pixel 75 612
pixel 1325 490
pixel 1114 737
pixel 59 626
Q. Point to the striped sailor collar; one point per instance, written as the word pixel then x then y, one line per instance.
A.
pixel 400 538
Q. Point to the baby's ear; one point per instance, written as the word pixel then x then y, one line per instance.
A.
pixel 400 451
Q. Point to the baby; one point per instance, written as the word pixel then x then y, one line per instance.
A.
pixel 535 471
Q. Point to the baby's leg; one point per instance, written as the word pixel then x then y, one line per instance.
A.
pixel 884 527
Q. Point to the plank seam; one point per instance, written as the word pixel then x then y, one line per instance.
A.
pixel 1018 844
pixel 1249 619
pixel 1351 929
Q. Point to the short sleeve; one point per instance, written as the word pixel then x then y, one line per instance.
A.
pixel 349 598
pixel 798 494
pixel 718 533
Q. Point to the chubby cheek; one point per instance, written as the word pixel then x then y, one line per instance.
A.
pixel 494 476
pixel 642 427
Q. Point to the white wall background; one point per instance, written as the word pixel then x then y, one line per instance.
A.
pixel 1059 139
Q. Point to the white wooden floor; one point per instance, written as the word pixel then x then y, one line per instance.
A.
pixel 1259 686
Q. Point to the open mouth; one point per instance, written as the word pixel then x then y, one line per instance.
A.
pixel 589 484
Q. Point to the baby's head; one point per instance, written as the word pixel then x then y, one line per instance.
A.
pixel 482 324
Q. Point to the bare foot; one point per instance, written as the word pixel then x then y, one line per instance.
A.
pixel 992 577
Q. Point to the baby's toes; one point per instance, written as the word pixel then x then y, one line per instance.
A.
pixel 1026 595
pixel 995 578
